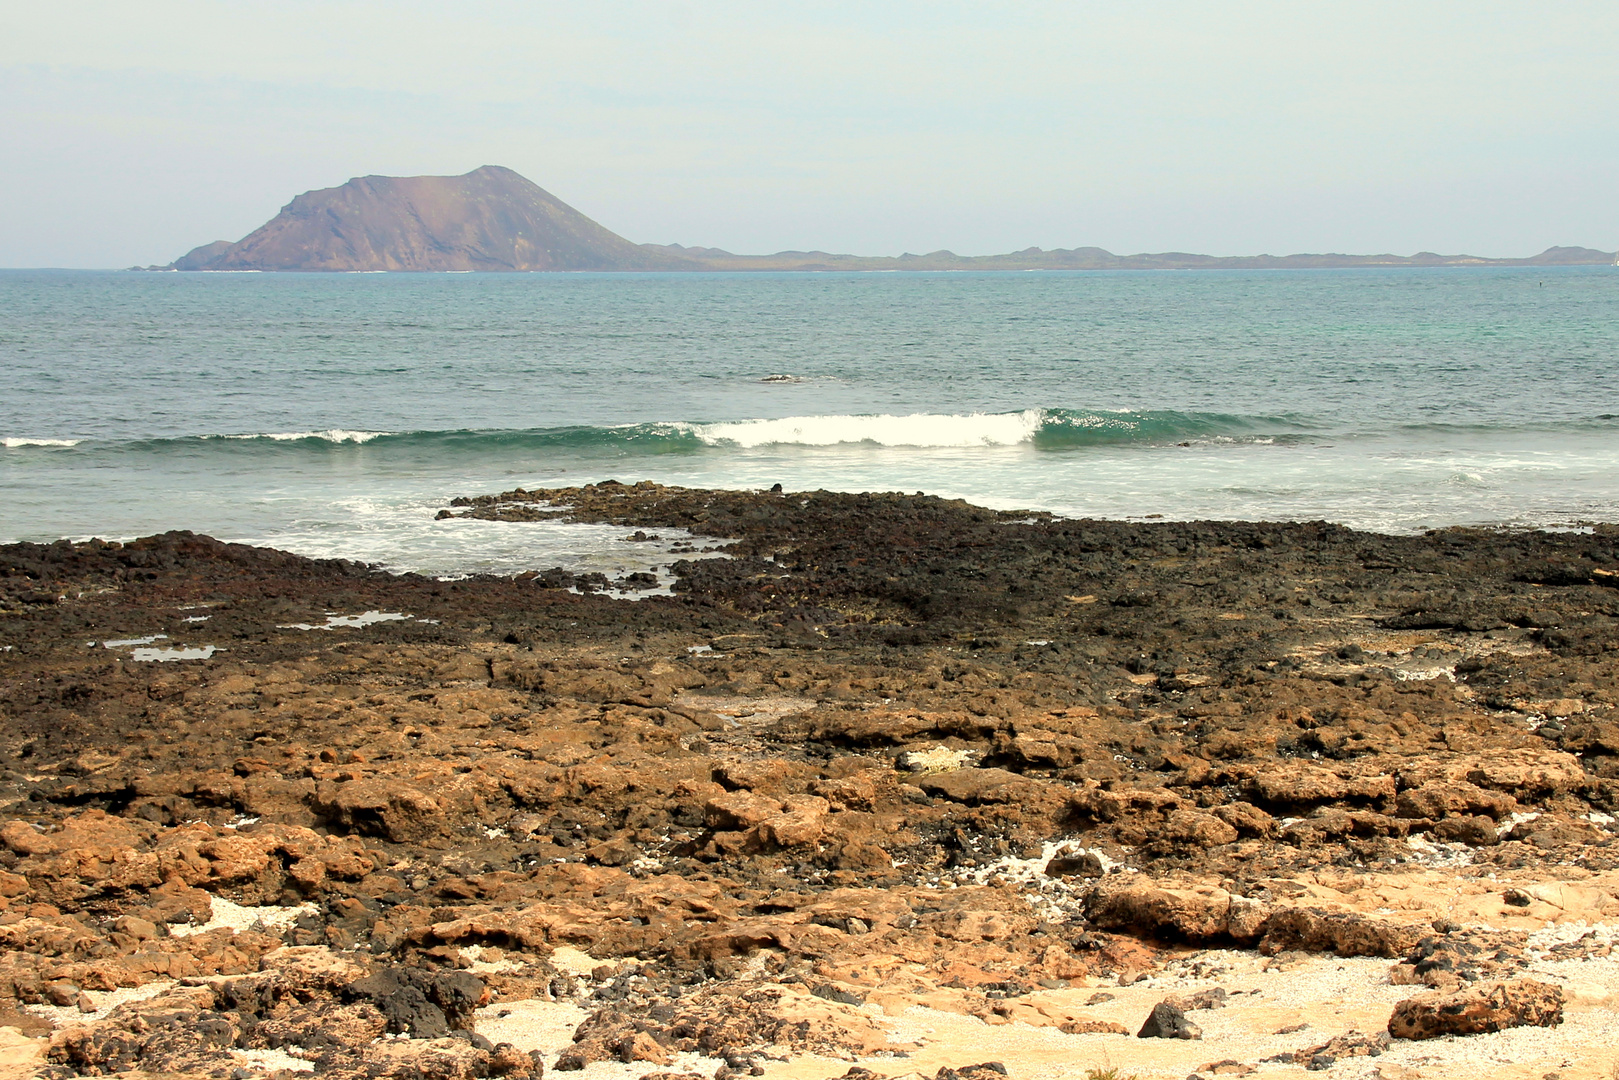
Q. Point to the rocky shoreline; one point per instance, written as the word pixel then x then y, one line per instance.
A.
pixel 902 786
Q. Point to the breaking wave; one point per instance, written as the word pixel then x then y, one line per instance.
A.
pixel 1038 429
pixel 331 435
pixel 1044 429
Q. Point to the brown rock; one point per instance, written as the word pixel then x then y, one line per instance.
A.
pixel 1196 914
pixel 387 808
pixel 802 822
pixel 970 785
pixel 1296 784
pixel 1346 933
pixel 1092 1027
pixel 1197 829
pixel 738 810
pixel 1476 1009
pixel 1444 798
pixel 1476 829
pixel 1350 1044
pixel 849 793
pixel 1247 819
pixel 861 856
pixel 641 1047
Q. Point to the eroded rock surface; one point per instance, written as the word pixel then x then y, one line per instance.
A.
pixel 893 751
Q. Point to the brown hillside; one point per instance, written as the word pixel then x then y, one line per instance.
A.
pixel 489 219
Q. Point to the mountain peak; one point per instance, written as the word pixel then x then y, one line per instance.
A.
pixel 491 218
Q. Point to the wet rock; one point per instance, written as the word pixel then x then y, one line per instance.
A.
pixel 1067 862
pixel 419 1002
pixel 853 774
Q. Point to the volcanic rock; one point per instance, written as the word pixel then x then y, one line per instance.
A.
pixel 1168 1021
pixel 1486 1007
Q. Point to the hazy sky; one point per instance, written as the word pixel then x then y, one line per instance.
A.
pixel 132 132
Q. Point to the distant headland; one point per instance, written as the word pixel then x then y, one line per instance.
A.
pixel 492 219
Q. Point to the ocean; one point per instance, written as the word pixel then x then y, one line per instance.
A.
pixel 334 415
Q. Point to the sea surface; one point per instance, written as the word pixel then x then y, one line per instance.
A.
pixel 335 414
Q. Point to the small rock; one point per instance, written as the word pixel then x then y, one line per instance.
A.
pixel 1168 1022
pixel 61 993
pixel 641 1047
pixel 988 1070
pixel 1068 863
pixel 1348 1045
pixel 830 992
pixel 1213 998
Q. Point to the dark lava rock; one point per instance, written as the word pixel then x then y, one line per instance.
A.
pixel 1167 1021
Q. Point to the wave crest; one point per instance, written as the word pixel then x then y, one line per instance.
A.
pixel 331 435
pixel 917 429
pixel 1041 429
pixel 11 443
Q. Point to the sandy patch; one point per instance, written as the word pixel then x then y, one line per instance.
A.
pixel 20 1056
pixel 225 914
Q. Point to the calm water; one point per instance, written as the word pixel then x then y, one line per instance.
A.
pixel 335 414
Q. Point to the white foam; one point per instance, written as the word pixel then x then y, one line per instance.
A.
pixel 11 443
pixel 123 643
pixel 164 656
pixel 405 537
pixel 331 435
pixel 917 429
pixel 343 622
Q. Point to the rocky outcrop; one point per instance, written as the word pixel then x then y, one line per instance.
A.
pixel 923 754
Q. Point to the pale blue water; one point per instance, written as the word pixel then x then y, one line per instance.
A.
pixel 1385 399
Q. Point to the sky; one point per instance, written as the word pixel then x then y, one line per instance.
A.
pixel 131 133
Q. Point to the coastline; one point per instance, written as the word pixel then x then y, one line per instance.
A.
pixel 898 763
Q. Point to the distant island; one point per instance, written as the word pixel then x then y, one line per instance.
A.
pixel 492 219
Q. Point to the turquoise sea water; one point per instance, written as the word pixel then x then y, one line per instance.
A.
pixel 335 414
